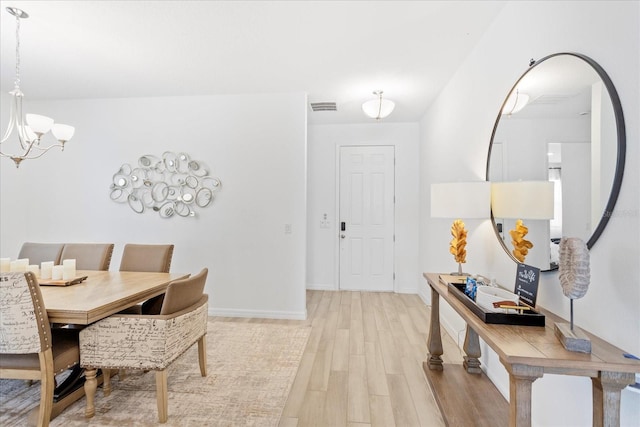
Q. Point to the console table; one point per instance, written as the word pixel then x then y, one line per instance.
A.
pixel 528 352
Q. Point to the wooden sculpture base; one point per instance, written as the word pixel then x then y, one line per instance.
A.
pixel 572 340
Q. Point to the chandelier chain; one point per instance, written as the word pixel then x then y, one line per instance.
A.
pixel 17 80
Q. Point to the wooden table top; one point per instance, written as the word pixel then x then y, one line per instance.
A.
pixel 102 294
pixel 539 346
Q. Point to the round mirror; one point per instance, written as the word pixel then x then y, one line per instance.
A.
pixel 562 122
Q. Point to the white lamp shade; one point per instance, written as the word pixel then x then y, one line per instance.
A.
pixel 378 108
pixel 463 200
pixel 62 132
pixel 522 199
pixel 39 124
pixel 515 103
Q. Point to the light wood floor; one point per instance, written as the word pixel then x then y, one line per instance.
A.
pixel 363 363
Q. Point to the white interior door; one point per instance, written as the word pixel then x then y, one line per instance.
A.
pixel 366 225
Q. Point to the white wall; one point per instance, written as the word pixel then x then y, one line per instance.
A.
pixel 324 142
pixel 455 134
pixel 256 144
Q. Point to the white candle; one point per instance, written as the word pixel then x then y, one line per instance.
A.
pixel 56 272
pixel 18 266
pixel 5 265
pixel 34 269
pixel 68 269
pixel 47 269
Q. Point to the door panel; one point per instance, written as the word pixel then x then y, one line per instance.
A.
pixel 367 209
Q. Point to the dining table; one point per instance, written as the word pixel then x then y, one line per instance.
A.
pixel 90 297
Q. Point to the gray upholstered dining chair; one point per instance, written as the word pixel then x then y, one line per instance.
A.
pixel 150 341
pixel 89 256
pixel 149 258
pixel 29 348
pixel 41 252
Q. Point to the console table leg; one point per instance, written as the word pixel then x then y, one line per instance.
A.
pixel 472 350
pixel 434 342
pixel 521 377
pixel 606 397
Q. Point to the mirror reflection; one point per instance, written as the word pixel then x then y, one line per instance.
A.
pixel 559 124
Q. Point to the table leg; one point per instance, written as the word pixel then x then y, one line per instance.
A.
pixel 472 350
pixel 521 377
pixel 434 342
pixel 61 400
pixel 606 397
pixel 90 386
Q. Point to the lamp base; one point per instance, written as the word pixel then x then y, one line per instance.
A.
pixel 572 340
pixel 459 272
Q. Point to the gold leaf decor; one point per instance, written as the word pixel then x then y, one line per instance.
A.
pixel 459 241
pixel 521 246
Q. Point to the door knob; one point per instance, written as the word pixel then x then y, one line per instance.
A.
pixel 342 236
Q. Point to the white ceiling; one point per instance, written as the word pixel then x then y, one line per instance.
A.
pixel 558 87
pixel 336 51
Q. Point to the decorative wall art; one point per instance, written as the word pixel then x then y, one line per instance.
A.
pixel 171 185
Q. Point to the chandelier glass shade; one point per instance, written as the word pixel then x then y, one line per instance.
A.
pixel 378 108
pixel 30 128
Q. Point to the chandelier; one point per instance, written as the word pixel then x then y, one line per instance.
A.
pixel 31 130
pixel 378 108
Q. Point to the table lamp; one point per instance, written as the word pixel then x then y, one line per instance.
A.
pixel 460 200
pixel 522 200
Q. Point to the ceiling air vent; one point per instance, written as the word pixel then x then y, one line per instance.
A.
pixel 323 106
pixel 551 99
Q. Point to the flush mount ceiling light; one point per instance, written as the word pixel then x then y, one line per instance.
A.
pixel 31 130
pixel 378 108
pixel 515 103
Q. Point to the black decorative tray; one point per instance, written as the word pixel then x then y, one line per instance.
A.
pixel 527 318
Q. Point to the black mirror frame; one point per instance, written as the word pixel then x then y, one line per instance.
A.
pixel 622 145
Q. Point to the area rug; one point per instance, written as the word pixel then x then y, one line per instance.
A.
pixel 250 370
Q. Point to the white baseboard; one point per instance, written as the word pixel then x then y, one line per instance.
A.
pixel 321 286
pixel 445 326
pixel 412 291
pixel 424 295
pixel 259 314
pixel 332 287
pixel 450 330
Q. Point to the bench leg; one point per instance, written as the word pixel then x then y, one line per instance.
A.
pixel 202 355
pixel 162 395
pixel 106 382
